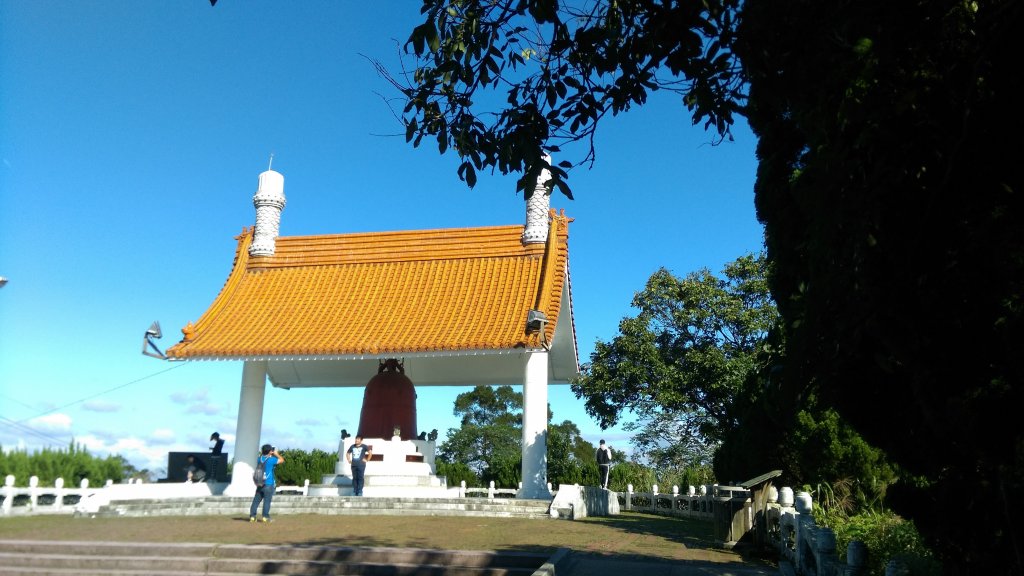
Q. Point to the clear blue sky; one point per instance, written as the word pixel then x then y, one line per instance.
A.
pixel 131 137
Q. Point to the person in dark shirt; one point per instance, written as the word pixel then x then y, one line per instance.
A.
pixel 195 470
pixel 604 463
pixel 358 454
pixel 218 444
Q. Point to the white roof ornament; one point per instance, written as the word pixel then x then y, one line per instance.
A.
pixel 269 202
pixel 537 207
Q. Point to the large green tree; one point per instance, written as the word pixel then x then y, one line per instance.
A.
pixel 683 358
pixel 888 183
pixel 892 200
pixel 489 441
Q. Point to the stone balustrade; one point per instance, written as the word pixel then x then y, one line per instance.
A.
pixel 36 499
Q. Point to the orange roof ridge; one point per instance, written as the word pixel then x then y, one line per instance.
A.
pixel 384 293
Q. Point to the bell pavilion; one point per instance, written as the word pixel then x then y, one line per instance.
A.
pixel 457 307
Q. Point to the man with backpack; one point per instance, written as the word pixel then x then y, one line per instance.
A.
pixel 265 482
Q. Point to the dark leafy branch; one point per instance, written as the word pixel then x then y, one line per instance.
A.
pixel 504 83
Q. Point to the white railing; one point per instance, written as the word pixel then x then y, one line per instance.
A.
pixel 695 503
pixel 491 492
pixel 804 548
pixel 294 490
pixel 36 499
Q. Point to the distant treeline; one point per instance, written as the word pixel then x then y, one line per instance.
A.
pixel 73 464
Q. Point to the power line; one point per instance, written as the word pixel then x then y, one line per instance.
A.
pixel 29 430
pixel 98 394
pixel 20 426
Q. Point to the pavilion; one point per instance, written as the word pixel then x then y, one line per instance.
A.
pixel 460 306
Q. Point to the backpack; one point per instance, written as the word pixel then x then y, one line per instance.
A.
pixel 259 475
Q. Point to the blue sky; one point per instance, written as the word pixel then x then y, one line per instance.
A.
pixel 131 137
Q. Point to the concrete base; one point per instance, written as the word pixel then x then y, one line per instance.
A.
pixel 385 491
pixel 574 502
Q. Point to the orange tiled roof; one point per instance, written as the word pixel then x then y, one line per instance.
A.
pixel 384 293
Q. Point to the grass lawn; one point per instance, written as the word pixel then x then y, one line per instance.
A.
pixel 628 535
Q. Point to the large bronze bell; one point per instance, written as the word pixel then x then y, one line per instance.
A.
pixel 389 404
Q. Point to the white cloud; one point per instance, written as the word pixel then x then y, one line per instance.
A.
pixel 51 423
pixel 100 406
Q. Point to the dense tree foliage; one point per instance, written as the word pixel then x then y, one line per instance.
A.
pixel 300 466
pixel 680 362
pixel 499 81
pixel 488 444
pixel 72 464
pixel 892 206
pixel 890 193
pixel 489 439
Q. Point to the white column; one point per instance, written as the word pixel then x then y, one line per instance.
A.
pixel 250 425
pixel 535 427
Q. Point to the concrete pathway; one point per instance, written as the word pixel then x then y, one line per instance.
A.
pixel 576 564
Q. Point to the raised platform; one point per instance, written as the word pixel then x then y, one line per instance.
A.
pixel 285 504
pixel 398 468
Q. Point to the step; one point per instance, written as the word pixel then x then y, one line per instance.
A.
pixel 160 559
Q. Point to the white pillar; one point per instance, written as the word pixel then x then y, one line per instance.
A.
pixel 535 427
pixel 250 425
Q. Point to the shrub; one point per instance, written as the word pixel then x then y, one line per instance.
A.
pixel 456 473
pixel 886 536
pixel 300 466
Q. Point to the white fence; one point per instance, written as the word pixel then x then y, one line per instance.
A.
pixel 36 499
pixel 785 523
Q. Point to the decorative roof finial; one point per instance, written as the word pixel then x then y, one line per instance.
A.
pixel 536 229
pixel 269 202
pixel 270 164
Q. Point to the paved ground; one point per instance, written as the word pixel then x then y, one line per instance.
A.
pixel 594 565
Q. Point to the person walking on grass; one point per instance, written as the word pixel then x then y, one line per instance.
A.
pixel 269 458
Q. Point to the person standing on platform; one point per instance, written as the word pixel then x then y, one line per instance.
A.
pixel 269 458
pixel 218 443
pixel 604 463
pixel 358 455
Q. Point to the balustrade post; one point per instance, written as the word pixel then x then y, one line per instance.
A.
pixel 490 490
pixel 58 504
pixel 825 550
pixel 895 568
pixel 629 496
pixel 33 492
pixel 786 497
pixel 856 558
pixel 462 489
pixel 8 493
pixel 85 483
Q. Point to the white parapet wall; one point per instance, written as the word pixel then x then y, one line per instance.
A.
pixel 573 501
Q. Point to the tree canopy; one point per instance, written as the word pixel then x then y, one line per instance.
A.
pixel 501 83
pixel 489 441
pixel 887 183
pixel 685 355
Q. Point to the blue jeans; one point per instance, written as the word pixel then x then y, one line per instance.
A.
pixel 266 494
pixel 357 478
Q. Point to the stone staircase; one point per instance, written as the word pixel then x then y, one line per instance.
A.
pixel 51 558
pixel 331 505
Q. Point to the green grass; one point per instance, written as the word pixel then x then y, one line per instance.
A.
pixel 628 535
